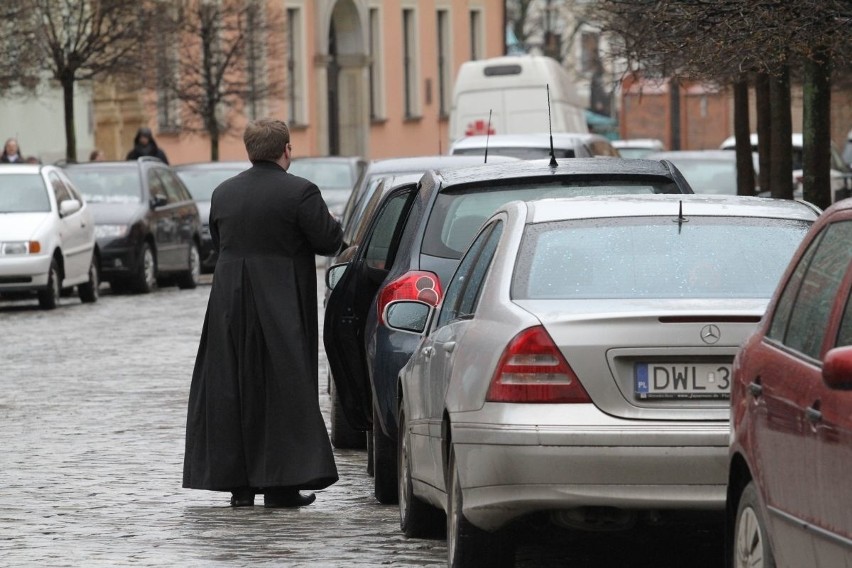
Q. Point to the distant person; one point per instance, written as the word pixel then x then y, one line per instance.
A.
pixel 32 160
pixel 254 424
pixel 11 153
pixel 144 145
pixel 97 156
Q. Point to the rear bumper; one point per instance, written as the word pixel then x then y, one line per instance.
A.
pixel 510 470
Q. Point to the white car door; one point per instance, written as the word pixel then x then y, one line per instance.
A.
pixel 76 234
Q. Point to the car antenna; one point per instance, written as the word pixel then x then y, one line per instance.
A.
pixel 680 218
pixel 553 163
pixel 488 134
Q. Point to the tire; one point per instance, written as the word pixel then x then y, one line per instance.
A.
pixel 145 279
pixel 90 291
pixel 190 279
pixel 384 464
pixel 343 436
pixel 48 298
pixel 752 548
pixel 467 545
pixel 416 518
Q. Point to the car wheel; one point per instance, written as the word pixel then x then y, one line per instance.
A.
pixel 384 464
pixel 145 279
pixel 189 279
pixel 467 545
pixel 48 297
pixel 90 290
pixel 343 436
pixel 751 539
pixel 416 518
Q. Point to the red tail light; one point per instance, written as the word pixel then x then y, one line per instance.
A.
pixel 414 285
pixel 533 370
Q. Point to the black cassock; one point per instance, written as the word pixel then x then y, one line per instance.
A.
pixel 254 418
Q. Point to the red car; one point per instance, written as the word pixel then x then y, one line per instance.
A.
pixel 789 497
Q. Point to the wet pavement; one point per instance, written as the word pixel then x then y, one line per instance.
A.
pixel 92 420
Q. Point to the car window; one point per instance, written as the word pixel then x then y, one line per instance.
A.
pixel 107 185
pixel 781 316
pixel 59 190
pixel 202 182
pixel 352 216
pixel 470 296
pixel 651 257
pixel 459 213
pixel 380 243
pixel 22 193
pixel 155 186
pixel 172 184
pixel 455 289
pixel 844 335
pixel 811 310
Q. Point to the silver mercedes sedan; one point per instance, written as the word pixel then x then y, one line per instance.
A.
pixel 580 364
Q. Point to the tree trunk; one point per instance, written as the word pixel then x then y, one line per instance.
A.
pixel 214 143
pixel 763 108
pixel 745 166
pixel 781 157
pixel 816 161
pixel 674 111
pixel 70 131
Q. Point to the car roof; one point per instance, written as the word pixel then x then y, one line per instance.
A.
pixel 580 167
pixel 531 140
pixel 221 165
pixel 637 143
pixel 22 168
pixel 423 163
pixel 725 155
pixel 797 140
pixel 113 165
pixel 554 209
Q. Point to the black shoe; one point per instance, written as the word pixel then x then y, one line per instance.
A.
pixel 276 499
pixel 242 498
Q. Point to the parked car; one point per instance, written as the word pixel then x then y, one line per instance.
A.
pixel 334 175
pixel 201 179
pixel 841 176
pixel 707 171
pixel 638 147
pixel 536 146
pixel 147 224
pixel 47 236
pixel 411 248
pixel 789 501
pixel 579 364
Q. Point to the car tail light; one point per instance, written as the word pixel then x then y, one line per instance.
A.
pixel 533 370
pixel 414 285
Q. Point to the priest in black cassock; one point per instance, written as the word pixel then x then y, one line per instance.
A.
pixel 254 424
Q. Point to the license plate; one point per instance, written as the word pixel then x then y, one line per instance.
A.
pixel 680 380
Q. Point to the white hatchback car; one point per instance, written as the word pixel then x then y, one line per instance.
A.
pixel 579 364
pixel 47 236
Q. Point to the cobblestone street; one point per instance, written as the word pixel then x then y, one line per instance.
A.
pixel 92 414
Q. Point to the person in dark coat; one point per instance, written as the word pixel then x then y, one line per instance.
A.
pixel 145 145
pixel 254 424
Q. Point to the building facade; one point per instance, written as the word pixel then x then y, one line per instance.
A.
pixel 360 77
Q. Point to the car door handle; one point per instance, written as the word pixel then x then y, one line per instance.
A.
pixel 428 351
pixel 449 346
pixel 755 389
pixel 813 415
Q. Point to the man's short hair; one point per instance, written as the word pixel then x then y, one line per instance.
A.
pixel 266 139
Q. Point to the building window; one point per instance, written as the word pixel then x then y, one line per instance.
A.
pixel 475 34
pixel 444 62
pixel 409 62
pixel 377 107
pixel 255 48
pixel 295 67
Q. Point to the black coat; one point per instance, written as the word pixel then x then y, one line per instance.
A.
pixel 254 418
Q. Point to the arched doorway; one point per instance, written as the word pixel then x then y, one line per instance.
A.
pixel 346 81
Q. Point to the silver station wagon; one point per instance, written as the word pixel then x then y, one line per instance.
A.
pixel 580 364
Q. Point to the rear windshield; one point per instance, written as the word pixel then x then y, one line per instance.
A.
pixel 202 182
pixel 522 153
pixel 107 186
pixel 651 257
pixel 23 193
pixel 327 175
pixel 458 214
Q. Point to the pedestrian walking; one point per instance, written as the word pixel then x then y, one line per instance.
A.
pixel 254 424
pixel 11 153
pixel 145 145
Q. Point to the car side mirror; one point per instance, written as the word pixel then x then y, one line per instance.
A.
pixel 407 315
pixel 158 200
pixel 334 274
pixel 837 368
pixel 69 206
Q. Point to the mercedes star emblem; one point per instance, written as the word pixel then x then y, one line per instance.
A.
pixel 710 334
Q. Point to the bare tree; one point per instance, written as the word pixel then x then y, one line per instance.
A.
pixel 72 41
pixel 216 60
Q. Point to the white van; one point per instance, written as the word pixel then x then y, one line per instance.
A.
pixel 514 90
